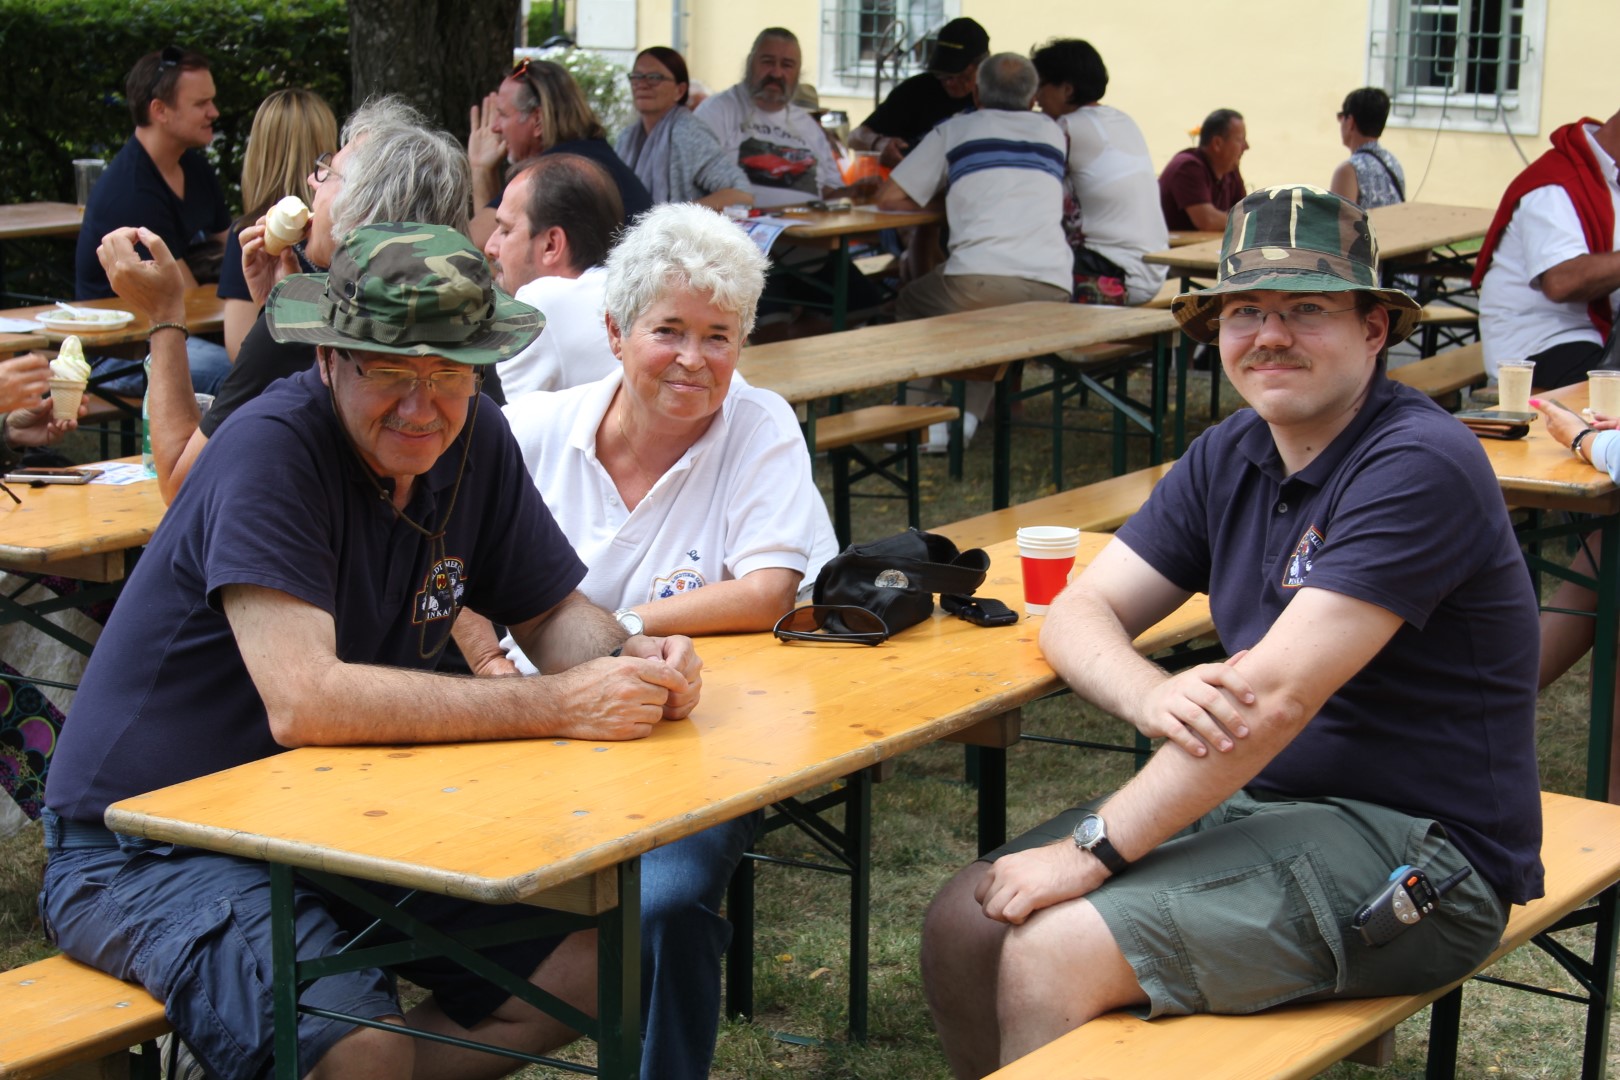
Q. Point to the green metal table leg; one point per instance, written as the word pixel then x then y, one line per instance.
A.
pixel 992 798
pixel 957 450
pixel 1605 639
pixel 840 299
pixel 740 956
pixel 1182 347
pixel 284 969
pixel 618 989
pixel 1001 479
pixel 1161 400
pixel 858 833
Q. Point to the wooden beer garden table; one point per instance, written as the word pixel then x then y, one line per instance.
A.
pixel 21 220
pixel 561 823
pixel 835 230
pixel 205 314
pixel 826 366
pixel 89 532
pixel 1539 473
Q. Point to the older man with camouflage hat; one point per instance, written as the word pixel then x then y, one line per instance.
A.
pixel 1377 711
pixel 299 591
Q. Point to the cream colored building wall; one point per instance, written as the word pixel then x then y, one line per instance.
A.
pixel 1171 61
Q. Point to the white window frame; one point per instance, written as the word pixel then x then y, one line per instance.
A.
pixel 1517 110
pixel 841 75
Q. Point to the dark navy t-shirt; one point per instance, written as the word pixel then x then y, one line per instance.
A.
pixel 132 193
pixel 914 108
pixel 279 501
pixel 1402 511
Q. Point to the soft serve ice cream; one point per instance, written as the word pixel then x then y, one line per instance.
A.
pixel 69 374
pixel 284 225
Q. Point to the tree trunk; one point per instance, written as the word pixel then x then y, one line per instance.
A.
pixel 442 56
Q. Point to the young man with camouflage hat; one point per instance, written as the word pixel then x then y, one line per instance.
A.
pixel 299 592
pixel 1378 708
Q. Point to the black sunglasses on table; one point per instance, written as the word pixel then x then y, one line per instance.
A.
pixel 831 622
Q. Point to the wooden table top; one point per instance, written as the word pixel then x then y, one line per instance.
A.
pixel 12 344
pixel 205 314
pixel 78 531
pixel 1404 229
pixel 504 822
pixel 1186 237
pixel 1539 471
pixel 859 221
pixel 18 220
pixel 805 369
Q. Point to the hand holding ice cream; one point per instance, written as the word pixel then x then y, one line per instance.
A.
pixel 284 225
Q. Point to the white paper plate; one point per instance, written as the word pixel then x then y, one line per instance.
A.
pixel 105 319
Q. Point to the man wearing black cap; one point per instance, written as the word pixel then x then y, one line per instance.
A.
pixel 1377 714
pixel 916 106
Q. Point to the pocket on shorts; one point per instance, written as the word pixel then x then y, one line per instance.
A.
pixel 1256 937
pixel 205 972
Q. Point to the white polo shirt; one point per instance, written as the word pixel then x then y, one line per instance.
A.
pixel 740 499
pixel 573 348
pixel 1516 320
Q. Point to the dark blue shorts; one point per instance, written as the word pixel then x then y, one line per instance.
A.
pixel 193 927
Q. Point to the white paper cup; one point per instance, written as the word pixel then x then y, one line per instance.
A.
pixel 65 397
pixel 1604 397
pixel 1046 554
pixel 1513 384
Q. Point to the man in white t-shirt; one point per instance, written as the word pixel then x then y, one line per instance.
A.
pixel 781 148
pixel 553 230
pixel 999 173
pixel 1549 271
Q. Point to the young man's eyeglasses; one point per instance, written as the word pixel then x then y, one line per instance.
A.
pixel 323 169
pixel 401 382
pixel 1302 319
pixel 650 78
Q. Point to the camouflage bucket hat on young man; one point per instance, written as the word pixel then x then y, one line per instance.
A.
pixel 1301 239
pixel 408 290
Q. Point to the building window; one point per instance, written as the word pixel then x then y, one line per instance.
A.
pixel 867 44
pixel 1469 64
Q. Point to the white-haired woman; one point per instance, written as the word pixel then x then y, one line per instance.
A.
pixel 688 494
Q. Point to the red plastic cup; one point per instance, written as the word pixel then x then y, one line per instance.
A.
pixel 1047 553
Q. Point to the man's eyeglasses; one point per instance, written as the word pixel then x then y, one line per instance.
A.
pixel 831 622
pixel 1301 320
pixel 400 382
pixel 323 169
pixel 651 78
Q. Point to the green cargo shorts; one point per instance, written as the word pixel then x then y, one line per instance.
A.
pixel 1252 906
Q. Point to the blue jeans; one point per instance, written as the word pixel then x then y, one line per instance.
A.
pixel 209 366
pixel 683 936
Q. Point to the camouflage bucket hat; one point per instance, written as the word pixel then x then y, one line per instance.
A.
pixel 1296 238
pixel 408 290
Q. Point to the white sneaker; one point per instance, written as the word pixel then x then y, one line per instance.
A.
pixel 939 435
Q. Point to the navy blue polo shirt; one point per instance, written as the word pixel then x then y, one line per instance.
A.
pixel 1401 510
pixel 280 500
pixel 131 192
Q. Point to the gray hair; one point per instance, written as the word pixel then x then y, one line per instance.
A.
pixel 400 168
pixel 1007 81
pixel 770 33
pixel 684 246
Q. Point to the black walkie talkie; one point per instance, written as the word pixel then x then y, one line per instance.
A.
pixel 1408 898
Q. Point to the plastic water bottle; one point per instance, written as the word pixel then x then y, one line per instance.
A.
pixel 146 424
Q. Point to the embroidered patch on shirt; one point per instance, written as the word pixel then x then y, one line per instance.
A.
pixel 683 580
pixel 1299 563
pixel 441 592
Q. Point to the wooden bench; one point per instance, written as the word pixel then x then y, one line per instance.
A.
pixel 1581 851
pixel 1444 376
pixel 1445 324
pixel 60 1018
pixel 1100 507
pixel 842 435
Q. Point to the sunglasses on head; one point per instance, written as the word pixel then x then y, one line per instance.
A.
pixel 831 622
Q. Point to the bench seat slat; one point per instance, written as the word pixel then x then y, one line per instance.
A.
pixel 57 1012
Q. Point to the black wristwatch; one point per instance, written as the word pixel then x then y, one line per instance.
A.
pixel 1092 835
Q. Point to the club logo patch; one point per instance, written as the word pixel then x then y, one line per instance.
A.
pixel 441 591
pixel 681 581
pixel 1299 563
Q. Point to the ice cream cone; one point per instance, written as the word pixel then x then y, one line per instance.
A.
pixel 65 397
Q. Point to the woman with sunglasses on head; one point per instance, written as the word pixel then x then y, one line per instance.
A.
pixel 673 153
pixel 291 129
pixel 539 109
pixel 688 494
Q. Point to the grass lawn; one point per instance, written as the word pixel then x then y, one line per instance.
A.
pixel 924 830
